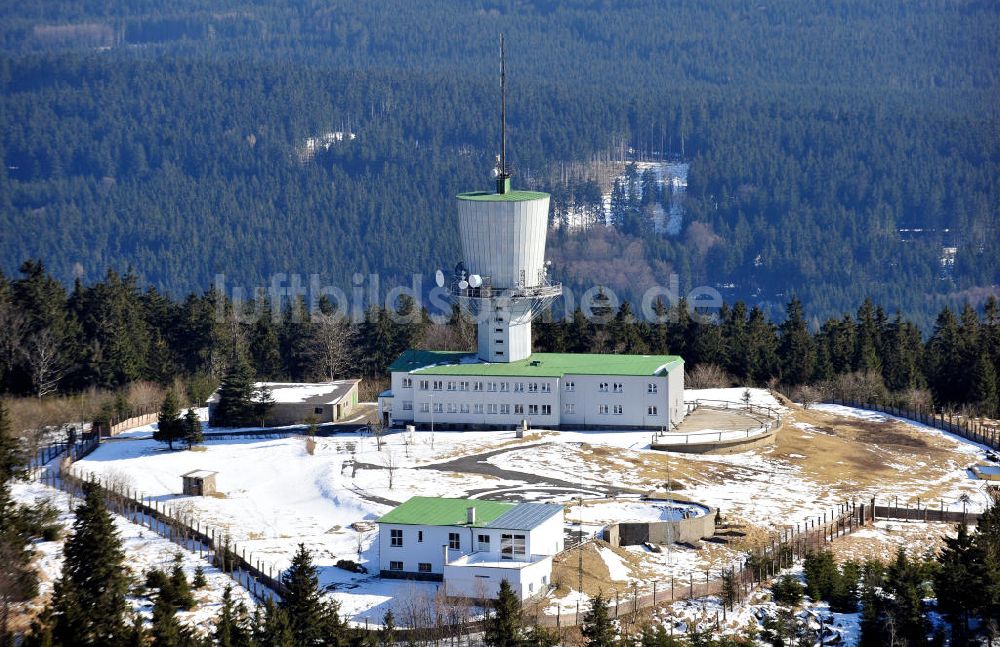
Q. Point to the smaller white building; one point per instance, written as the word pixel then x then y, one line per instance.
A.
pixel 472 545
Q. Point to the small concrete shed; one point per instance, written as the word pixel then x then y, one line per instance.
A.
pixel 199 483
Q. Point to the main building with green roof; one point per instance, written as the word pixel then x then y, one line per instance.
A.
pixel 503 282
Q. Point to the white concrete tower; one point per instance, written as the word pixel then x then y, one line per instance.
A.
pixel 505 283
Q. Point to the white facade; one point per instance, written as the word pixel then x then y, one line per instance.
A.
pixel 504 239
pixel 567 401
pixel 472 559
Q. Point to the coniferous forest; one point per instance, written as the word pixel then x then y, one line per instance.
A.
pixel 837 153
pixel 111 333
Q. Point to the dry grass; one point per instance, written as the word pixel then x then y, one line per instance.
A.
pixel 218 495
pixel 198 448
pixel 311 446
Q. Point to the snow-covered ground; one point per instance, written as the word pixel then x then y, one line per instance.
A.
pixel 144 550
pixel 275 494
pixel 608 512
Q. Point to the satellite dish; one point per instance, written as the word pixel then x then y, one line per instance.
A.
pixel 463 284
pixel 475 281
pixel 439 278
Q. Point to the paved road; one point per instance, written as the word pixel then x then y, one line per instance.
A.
pixel 479 464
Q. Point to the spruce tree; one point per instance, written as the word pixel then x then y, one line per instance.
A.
pixel 236 396
pixel 169 426
pixel 959 583
pixel 263 400
pixel 166 630
pixel 796 349
pixel 230 626
pixel 503 626
pixel 180 588
pixel 191 428
pixel 387 633
pixel 302 602
pixel 274 630
pixel 94 577
pixel 984 386
pixel 598 628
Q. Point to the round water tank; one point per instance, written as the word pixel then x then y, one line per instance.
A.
pixel 503 236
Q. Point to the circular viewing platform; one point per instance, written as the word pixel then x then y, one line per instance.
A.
pixel 719 427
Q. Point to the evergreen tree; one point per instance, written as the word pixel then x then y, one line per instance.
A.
pixel 797 351
pixel 191 428
pixel 274 630
pixel 598 628
pixel 94 577
pixel 302 602
pixel 387 632
pixel 503 626
pixel 169 426
pixel 231 625
pixel 137 632
pixel 984 386
pixel 236 397
pixel 960 582
pixel 264 345
pixel 730 591
pixel 180 589
pixel 263 401
pixel 166 631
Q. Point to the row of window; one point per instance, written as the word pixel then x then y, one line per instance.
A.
pixel 518 387
pixel 511 545
pixel 519 409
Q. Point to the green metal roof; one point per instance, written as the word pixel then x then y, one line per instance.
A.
pixel 436 511
pixel 537 365
pixel 510 196
pixel 413 359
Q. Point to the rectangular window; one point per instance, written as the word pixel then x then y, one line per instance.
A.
pixel 395 566
pixel 603 409
pixel 519 408
pixel 477 386
pixel 651 387
pixel 498 341
pixel 518 387
pixel 420 535
pixel 491 408
pixel 533 387
pixel 318 410
pixel 477 408
pixel 424 567
pixel 603 387
pixel 454 541
pixel 451 407
pixel 424 385
pixel 395 538
pixel 464 408
pixel 438 407
pixel 498 330
pixel 451 386
pixel 483 543
pixel 504 387
pixel 463 385
pixel 546 409
pixel 425 407
pixel 407 382
pixel 652 411
pixel 505 409
pixel 571 386
pixel 438 384
pixel 532 409
pixel 619 387
pixel 618 409
pixel 511 546
pixel 546 388
pixel 569 408
pixel 499 353
pixel 491 386
pixel 499 320
pixel 407 406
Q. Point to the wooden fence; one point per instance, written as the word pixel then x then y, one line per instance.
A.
pixel 783 549
pixel 974 430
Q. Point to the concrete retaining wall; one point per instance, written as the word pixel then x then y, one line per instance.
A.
pixel 661 532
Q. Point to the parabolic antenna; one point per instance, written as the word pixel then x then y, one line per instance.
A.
pixel 439 278
pixel 475 281
pixel 463 284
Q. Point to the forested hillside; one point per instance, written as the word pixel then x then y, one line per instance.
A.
pixel 835 151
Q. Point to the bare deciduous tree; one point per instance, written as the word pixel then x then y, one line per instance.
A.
pixel 390 463
pixel 332 345
pixel 43 354
pixel 708 376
